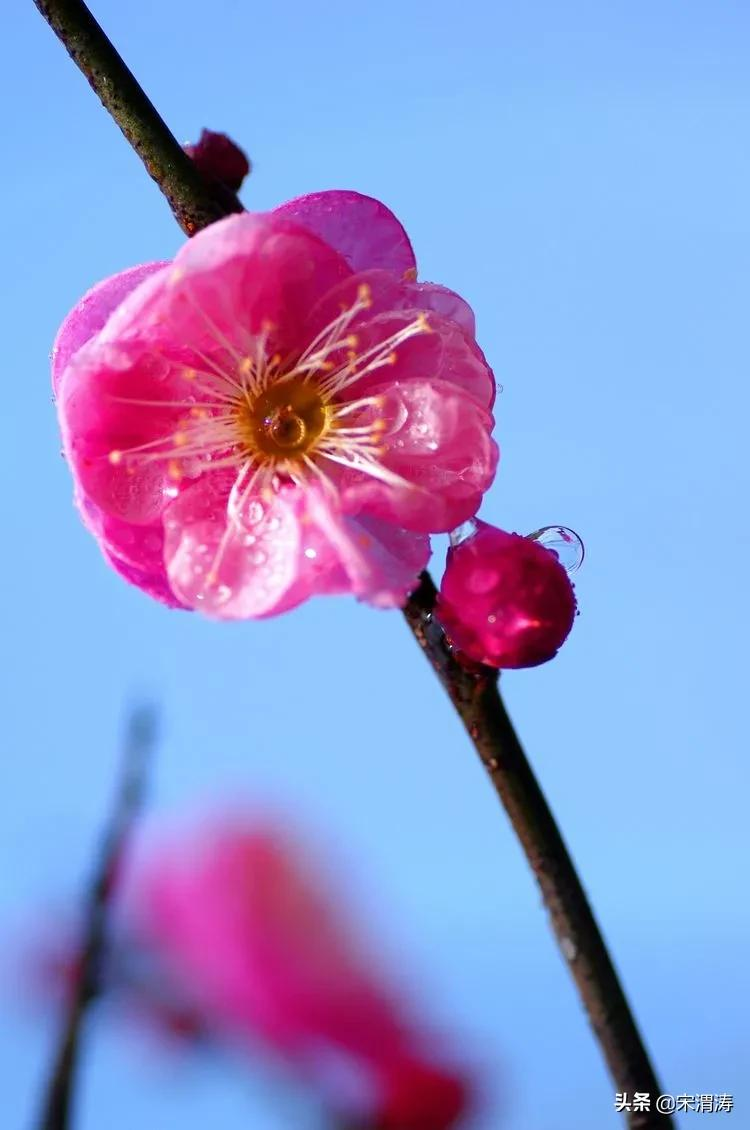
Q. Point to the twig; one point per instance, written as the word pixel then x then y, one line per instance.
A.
pixel 193 201
pixel 139 742
pixel 476 698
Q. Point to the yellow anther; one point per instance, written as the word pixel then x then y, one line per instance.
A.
pixel 189 374
pixel 115 457
pixel 364 293
pixel 352 339
pixel 246 365
pixel 174 470
pixel 180 439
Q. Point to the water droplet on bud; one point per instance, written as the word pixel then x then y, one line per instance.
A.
pixel 564 543
pixel 463 532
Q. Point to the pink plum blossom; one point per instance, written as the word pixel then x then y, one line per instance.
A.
pixel 249 938
pixel 505 600
pixel 279 412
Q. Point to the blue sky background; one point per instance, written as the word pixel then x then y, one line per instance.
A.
pixel 581 173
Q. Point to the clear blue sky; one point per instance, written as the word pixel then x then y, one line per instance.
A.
pixel 581 172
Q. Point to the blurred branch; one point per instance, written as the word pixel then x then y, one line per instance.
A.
pixel 139 742
pixel 193 201
pixel 475 695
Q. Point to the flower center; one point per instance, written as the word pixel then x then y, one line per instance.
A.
pixel 286 419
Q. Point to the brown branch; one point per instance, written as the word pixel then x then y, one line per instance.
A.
pixel 194 202
pixel 476 698
pixel 139 742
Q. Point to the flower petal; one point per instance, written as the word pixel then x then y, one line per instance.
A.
pixel 102 415
pixel 154 584
pixel 246 275
pixel 231 569
pixel 438 462
pixel 135 552
pixel 361 229
pixel 380 561
pixel 89 314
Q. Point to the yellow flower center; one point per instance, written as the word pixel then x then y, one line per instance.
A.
pixel 286 420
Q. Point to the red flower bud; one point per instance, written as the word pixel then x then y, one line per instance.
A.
pixel 218 158
pixel 505 600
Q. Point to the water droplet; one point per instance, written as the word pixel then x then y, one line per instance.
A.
pixel 223 593
pixel 171 492
pixel 258 557
pixel 432 445
pixel 274 523
pixel 254 512
pixel 569 948
pixel 564 543
pixel 249 539
pixel 463 532
pixel 311 554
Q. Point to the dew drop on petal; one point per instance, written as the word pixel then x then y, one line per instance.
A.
pixel 564 543
pixel 463 532
pixel 254 512
pixel 258 557
pixel 223 593
pixel 311 554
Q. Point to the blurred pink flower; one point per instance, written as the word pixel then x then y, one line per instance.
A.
pixel 244 933
pixel 505 600
pixel 279 412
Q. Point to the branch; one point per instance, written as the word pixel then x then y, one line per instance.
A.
pixel 474 695
pixel 193 201
pixel 476 698
pixel 139 742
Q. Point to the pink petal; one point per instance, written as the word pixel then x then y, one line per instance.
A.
pixel 386 295
pixel 135 552
pixel 230 569
pixel 243 275
pixel 97 420
pixel 439 447
pixel 154 584
pixel 89 314
pixel 441 349
pixel 361 229
pixel 380 561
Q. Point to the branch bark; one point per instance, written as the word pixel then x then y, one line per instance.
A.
pixel 475 695
pixel 194 203
pixel 57 1110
